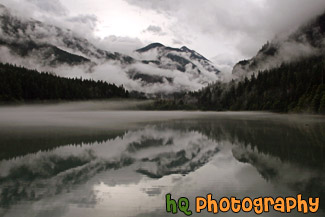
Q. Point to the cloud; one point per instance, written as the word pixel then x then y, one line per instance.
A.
pixel 54 6
pixel 89 20
pixel 54 13
pixel 225 62
pixel 177 42
pixel 161 6
pixel 238 27
pixel 154 29
pixel 117 73
pixel 149 78
pixel 287 51
pixel 225 30
pixel 113 43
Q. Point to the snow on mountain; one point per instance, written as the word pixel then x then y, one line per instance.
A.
pixel 153 69
pixel 182 59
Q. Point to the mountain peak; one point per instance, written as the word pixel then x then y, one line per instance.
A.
pixel 153 67
pixel 194 54
pixel 184 48
pixel 150 46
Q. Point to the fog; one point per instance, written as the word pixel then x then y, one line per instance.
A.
pixel 111 114
pixel 100 67
pixel 73 116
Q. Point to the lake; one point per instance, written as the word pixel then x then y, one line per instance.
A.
pixel 91 159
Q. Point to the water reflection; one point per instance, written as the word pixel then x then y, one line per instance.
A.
pixel 129 173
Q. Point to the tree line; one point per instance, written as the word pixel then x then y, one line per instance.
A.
pixel 21 84
pixel 292 87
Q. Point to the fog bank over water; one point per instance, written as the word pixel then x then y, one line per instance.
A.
pixel 90 105
pixel 113 114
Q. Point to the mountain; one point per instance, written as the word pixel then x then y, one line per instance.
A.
pixel 286 75
pixel 155 151
pixel 293 87
pixel 154 69
pixel 171 61
pixel 28 37
pixel 308 40
pixel 182 59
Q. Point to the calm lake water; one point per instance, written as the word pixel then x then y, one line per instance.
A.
pixel 87 160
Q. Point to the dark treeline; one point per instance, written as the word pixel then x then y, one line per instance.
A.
pixel 30 141
pixel 21 84
pixel 292 87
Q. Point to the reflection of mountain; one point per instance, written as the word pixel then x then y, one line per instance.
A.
pixel 280 151
pixel 287 153
pixel 304 180
pixel 154 152
pixel 290 140
pixel 51 175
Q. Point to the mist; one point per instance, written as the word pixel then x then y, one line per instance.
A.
pixel 304 42
pixel 115 71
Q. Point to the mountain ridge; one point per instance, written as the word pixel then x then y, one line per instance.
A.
pixel 47 47
pixel 307 40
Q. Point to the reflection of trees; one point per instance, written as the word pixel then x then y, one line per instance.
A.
pixel 48 173
pixel 160 149
pixel 52 175
pixel 302 179
pixel 15 143
pixel 268 145
pixel 291 142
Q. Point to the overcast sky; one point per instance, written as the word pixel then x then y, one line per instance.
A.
pixel 224 31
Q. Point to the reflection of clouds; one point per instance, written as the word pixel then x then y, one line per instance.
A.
pixel 180 151
pixel 224 176
pixel 152 191
pixel 181 157
pixel 47 176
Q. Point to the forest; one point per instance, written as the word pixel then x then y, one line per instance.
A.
pixel 21 84
pixel 292 87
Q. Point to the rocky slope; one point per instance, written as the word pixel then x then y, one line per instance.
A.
pixel 306 41
pixel 152 69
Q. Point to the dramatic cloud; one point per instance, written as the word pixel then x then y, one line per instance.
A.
pixel 54 13
pixel 224 31
pixel 235 29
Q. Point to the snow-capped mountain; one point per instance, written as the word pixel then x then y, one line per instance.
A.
pixel 306 41
pixel 152 69
pixel 175 58
pixel 178 60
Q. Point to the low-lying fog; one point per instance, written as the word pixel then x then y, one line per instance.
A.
pixel 113 114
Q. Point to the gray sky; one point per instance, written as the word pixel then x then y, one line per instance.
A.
pixel 224 31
